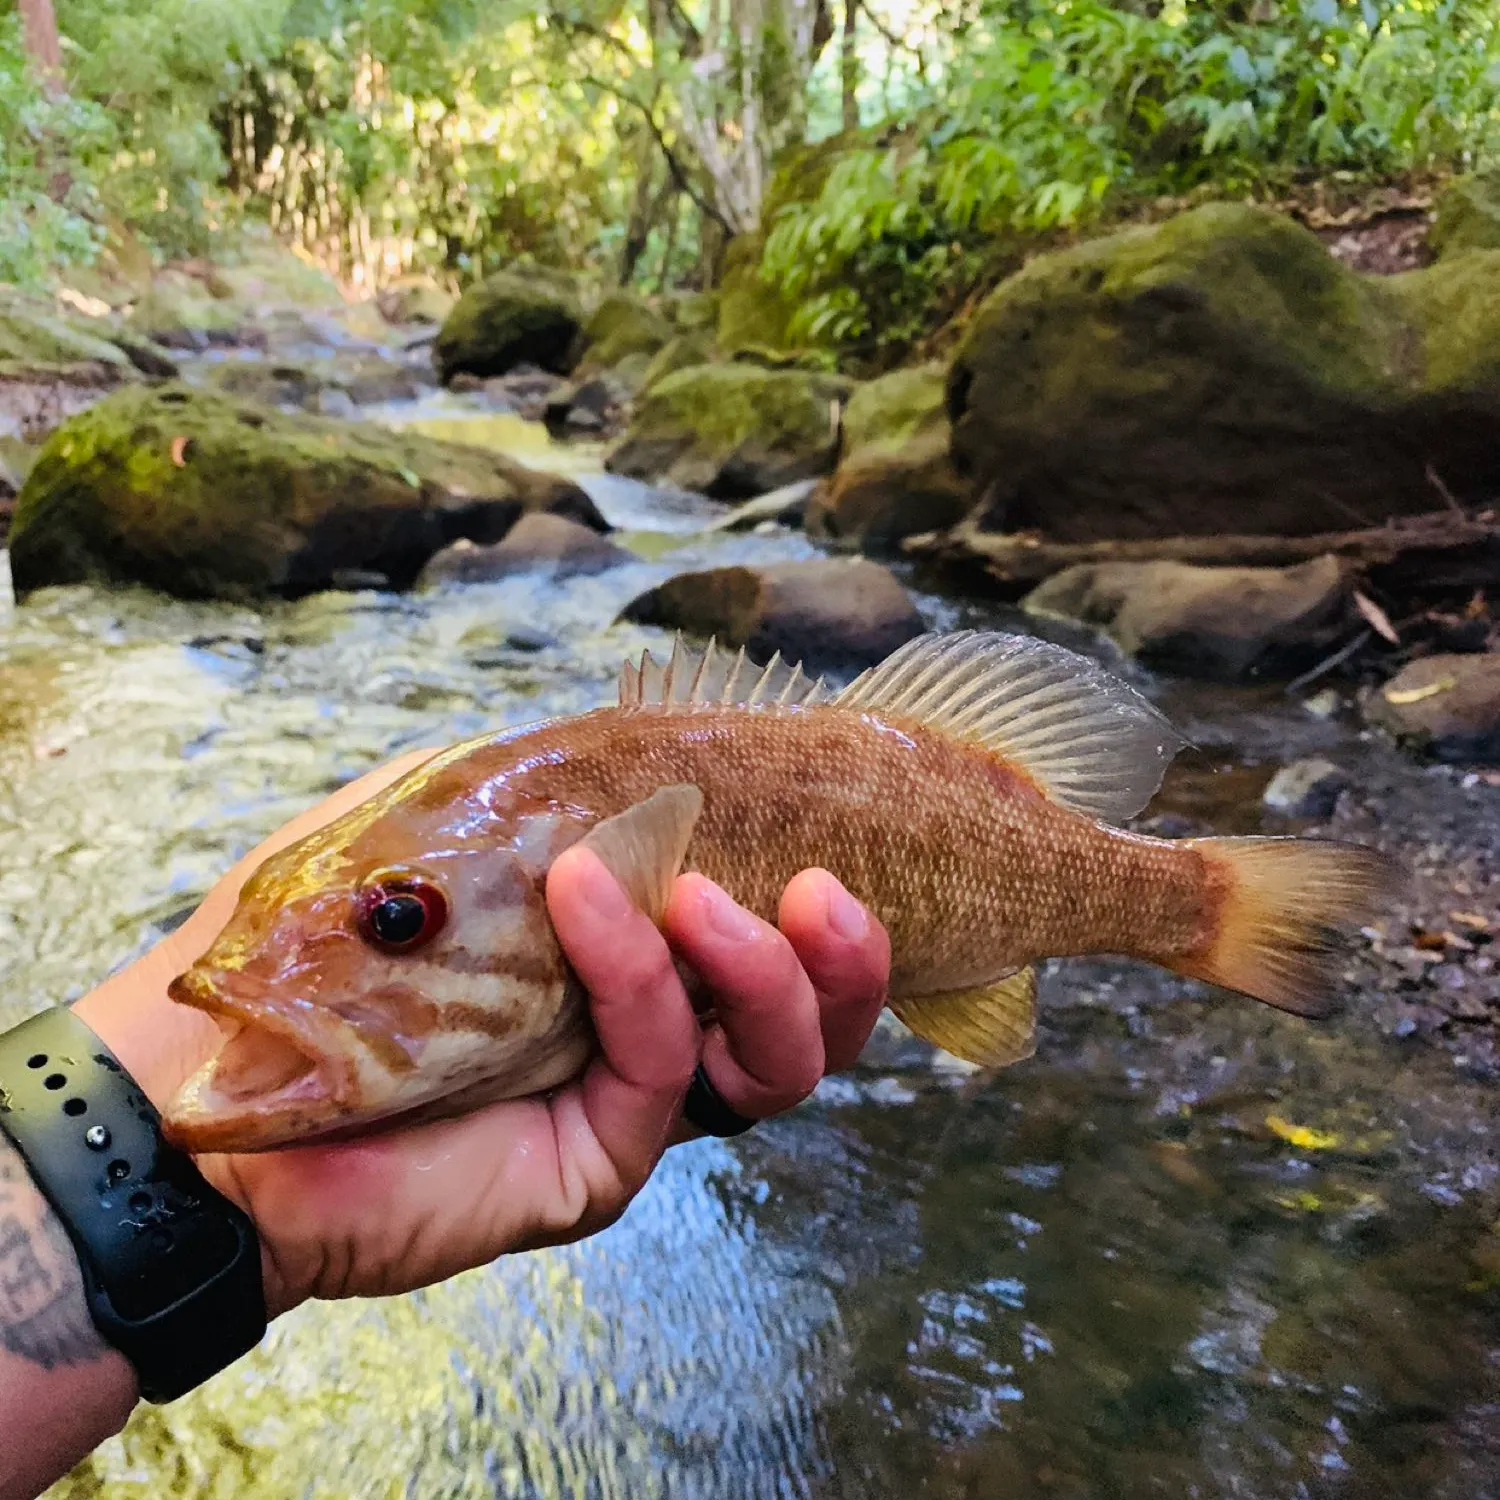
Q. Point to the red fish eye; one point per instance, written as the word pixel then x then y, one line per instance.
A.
pixel 400 912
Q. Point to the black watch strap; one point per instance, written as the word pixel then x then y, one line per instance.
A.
pixel 171 1268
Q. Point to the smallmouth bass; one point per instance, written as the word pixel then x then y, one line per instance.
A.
pixel 399 963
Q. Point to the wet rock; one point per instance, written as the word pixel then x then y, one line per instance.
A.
pixel 827 614
pixel 516 317
pixel 733 431
pixel 36 398
pixel 620 326
pixel 896 477
pixel 202 496
pixel 1448 705
pixel 1466 215
pixel 595 407
pixel 333 386
pixel 1306 789
pixel 536 543
pixel 414 299
pixel 1222 372
pixel 1214 622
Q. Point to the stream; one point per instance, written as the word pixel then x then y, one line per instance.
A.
pixel 1193 1248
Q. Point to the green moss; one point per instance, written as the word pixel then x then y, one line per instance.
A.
pixel 1453 309
pixel 509 319
pixel 620 326
pixel 681 353
pixel 734 429
pixel 1467 215
pixel 30 333
pixel 887 413
pixel 179 311
pixel 753 315
pixel 201 495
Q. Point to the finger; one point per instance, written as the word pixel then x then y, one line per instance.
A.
pixel 648 1035
pixel 765 1052
pixel 846 954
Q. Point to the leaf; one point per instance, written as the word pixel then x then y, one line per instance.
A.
pixel 1303 1137
pixel 180 446
pixel 1377 618
pixel 1417 695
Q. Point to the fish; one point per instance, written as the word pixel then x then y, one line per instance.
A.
pixel 399 963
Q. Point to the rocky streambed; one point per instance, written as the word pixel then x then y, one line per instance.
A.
pixel 1192 1247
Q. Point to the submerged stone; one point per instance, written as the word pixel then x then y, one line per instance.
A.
pixel 537 543
pixel 202 496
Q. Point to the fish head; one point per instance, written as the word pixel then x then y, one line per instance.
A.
pixel 395 959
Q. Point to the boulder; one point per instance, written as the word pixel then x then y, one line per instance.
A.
pixel 414 299
pixel 36 398
pixel 733 431
pixel 594 407
pixel 691 312
pixel 538 542
pixel 361 378
pixel 896 477
pixel 1447 705
pixel 1306 789
pixel 181 311
pixel 200 495
pixel 512 318
pixel 1466 215
pixel 680 353
pixel 1223 372
pixel 32 333
pixel 620 326
pixel 1213 622
pixel 828 614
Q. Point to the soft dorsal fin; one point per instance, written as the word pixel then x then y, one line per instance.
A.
pixel 713 678
pixel 1088 739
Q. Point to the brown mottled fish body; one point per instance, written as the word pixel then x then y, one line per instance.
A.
pixel 958 790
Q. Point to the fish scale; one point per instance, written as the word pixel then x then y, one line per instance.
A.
pixel 962 790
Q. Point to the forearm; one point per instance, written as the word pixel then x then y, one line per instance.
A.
pixel 62 1389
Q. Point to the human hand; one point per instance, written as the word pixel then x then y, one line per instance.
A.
pixel 413 1205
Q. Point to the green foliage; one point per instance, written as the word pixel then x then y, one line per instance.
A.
pixel 1048 112
pixel 49 150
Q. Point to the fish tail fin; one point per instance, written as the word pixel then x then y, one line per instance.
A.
pixel 1283 904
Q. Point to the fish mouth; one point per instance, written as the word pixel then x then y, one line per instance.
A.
pixel 269 1084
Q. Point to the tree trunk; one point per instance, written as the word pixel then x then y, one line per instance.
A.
pixel 39 32
pixel 849 65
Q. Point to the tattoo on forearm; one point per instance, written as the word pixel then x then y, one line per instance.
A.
pixel 43 1316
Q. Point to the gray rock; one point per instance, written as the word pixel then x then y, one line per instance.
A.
pixel 1213 622
pixel 1306 789
pixel 827 614
pixel 537 542
pixel 1448 705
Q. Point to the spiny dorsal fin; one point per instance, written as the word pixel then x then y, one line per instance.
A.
pixel 992 1025
pixel 1090 740
pixel 643 846
pixel 713 678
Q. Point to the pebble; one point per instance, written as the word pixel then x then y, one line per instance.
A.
pixel 1306 789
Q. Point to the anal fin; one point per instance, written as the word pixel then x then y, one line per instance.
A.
pixel 643 847
pixel 991 1026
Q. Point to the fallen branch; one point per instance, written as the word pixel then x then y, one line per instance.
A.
pixel 1437 551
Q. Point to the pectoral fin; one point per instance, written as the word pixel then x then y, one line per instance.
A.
pixel 643 847
pixel 992 1026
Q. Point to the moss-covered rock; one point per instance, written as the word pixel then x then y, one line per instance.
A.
pixel 514 317
pixel 622 325
pixel 180 311
pixel 691 312
pixel 415 299
pixel 203 496
pixel 680 353
pixel 1221 371
pixel 365 378
pixel 1447 706
pixel 1467 215
pixel 896 477
pixel 732 430
pixel 32 333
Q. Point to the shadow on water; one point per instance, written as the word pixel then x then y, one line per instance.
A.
pixel 1193 1248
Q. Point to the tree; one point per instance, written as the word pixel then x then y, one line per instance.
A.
pixel 39 31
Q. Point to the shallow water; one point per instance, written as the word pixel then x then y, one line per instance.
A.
pixel 1100 1274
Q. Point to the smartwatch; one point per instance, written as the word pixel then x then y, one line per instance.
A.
pixel 171 1268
